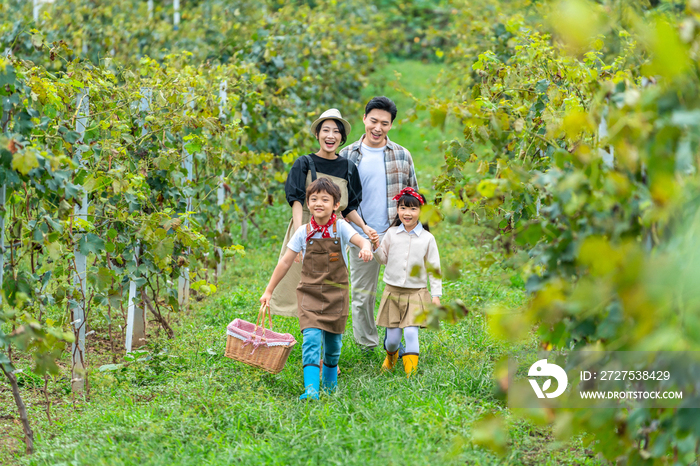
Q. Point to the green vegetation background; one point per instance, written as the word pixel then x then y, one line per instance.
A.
pixel 187 404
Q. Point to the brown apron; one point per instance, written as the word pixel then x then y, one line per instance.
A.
pixel 323 290
pixel 284 300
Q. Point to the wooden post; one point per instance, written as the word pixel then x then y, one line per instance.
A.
pixel 80 275
pixel 176 15
pixel 607 156
pixel 223 99
pixel 135 317
pixel 35 10
pixel 136 314
pixel 3 122
pixel 2 234
pixel 150 10
pixel 183 281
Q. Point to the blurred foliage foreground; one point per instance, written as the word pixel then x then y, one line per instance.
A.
pixel 581 141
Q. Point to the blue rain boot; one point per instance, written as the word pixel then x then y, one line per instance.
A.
pixel 312 380
pixel 330 378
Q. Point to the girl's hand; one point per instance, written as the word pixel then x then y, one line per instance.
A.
pixel 436 300
pixel 371 233
pixel 265 298
pixel 365 254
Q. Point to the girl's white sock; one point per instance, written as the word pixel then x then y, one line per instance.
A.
pixel 410 334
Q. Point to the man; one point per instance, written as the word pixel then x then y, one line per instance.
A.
pixel 385 168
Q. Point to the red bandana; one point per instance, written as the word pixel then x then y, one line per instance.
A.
pixel 411 192
pixel 315 227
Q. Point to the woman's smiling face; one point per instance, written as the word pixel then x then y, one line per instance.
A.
pixel 329 137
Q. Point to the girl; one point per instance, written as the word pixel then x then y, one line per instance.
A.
pixel 411 257
pixel 322 293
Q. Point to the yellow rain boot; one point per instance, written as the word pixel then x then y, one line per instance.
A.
pixel 390 361
pixel 410 363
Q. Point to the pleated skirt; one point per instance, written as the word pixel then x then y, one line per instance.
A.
pixel 400 306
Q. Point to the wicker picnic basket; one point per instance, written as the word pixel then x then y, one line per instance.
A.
pixel 257 346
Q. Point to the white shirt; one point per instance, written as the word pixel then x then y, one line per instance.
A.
pixel 410 258
pixel 372 170
pixel 344 231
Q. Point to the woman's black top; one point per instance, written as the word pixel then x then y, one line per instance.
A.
pixel 295 187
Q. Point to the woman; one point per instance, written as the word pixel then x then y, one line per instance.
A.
pixel 331 132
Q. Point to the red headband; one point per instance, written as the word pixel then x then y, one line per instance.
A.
pixel 411 192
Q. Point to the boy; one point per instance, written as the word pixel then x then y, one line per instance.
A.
pixel 322 294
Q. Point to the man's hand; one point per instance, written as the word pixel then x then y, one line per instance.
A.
pixel 365 254
pixel 371 233
pixel 265 298
pixel 436 300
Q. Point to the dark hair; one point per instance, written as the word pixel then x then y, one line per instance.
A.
pixel 341 128
pixel 409 201
pixel 381 103
pixel 323 184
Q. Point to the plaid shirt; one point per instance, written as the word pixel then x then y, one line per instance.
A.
pixel 399 170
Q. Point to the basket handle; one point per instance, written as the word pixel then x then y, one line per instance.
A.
pixel 260 321
pixel 264 309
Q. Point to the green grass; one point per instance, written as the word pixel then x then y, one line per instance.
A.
pixel 187 404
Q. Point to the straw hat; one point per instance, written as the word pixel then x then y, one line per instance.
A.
pixel 331 114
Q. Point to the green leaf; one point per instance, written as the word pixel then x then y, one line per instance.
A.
pixel 25 160
pixel 7 76
pixel 103 278
pixel 90 243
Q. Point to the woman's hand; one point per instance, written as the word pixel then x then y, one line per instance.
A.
pixel 371 233
pixel 365 254
pixel 436 300
pixel 265 298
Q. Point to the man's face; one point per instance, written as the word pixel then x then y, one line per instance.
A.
pixel 377 125
pixel 322 206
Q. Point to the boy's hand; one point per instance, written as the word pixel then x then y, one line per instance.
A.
pixel 298 258
pixel 365 254
pixel 436 300
pixel 265 298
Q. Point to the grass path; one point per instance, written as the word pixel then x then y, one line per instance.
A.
pixel 186 404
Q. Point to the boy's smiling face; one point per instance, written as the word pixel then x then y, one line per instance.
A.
pixel 322 206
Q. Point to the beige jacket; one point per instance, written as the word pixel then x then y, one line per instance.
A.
pixel 410 259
